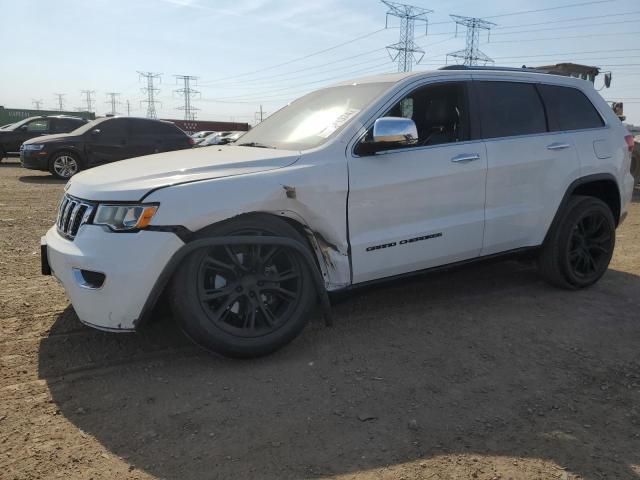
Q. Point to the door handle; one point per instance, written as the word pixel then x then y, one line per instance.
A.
pixel 465 157
pixel 558 146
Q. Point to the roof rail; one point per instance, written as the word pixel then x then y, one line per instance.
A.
pixel 499 69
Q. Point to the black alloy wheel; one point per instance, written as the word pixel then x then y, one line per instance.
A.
pixel 590 245
pixel 249 291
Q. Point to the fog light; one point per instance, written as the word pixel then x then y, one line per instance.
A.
pixel 89 279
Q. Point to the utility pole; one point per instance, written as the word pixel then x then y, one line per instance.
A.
pixel 260 114
pixel 404 52
pixel 472 54
pixel 60 97
pixel 188 93
pixel 37 103
pixel 113 101
pixel 151 91
pixel 87 96
pixel 128 109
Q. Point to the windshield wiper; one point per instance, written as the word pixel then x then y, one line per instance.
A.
pixel 255 144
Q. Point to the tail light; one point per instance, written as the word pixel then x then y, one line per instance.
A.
pixel 630 142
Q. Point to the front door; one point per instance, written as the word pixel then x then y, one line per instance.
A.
pixel 422 206
pixel 108 141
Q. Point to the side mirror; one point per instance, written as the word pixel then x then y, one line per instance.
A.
pixel 95 131
pixel 395 131
pixel 607 79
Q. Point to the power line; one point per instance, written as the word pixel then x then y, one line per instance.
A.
pixel 591 35
pixel 113 101
pixel 548 9
pixel 60 99
pixel 87 96
pixel 151 91
pixel 472 54
pixel 406 48
pixel 188 93
pixel 313 54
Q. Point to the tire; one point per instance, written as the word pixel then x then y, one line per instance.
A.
pixel 230 300
pixel 64 165
pixel 579 247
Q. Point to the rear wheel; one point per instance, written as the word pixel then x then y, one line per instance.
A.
pixel 580 246
pixel 244 301
pixel 64 165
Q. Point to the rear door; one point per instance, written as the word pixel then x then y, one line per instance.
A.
pixel 65 125
pixel 109 141
pixel 144 137
pixel 528 166
pixel 571 112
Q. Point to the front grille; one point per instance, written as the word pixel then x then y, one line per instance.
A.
pixel 72 213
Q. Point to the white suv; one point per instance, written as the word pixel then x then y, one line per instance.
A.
pixel 362 181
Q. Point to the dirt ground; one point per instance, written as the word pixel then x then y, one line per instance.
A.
pixel 481 373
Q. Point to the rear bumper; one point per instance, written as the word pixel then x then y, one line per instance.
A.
pixel 130 262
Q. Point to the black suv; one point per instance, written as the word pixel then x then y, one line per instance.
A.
pixel 12 136
pixel 101 141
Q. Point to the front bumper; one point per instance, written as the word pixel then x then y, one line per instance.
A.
pixel 131 263
pixel 35 160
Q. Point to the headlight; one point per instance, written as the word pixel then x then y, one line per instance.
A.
pixel 33 146
pixel 125 217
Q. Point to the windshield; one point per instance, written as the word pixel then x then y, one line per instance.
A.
pixel 309 121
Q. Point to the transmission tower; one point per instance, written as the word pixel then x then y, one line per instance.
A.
pixel 260 114
pixel 113 101
pixel 151 91
pixel 60 97
pixel 87 96
pixel 188 93
pixel 37 103
pixel 404 52
pixel 472 54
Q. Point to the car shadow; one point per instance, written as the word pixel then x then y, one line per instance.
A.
pixel 42 179
pixel 484 360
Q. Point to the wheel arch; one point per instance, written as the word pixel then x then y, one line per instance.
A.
pixel 602 186
pixel 68 149
pixel 311 251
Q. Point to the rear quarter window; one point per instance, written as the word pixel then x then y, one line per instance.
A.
pixel 509 109
pixel 569 109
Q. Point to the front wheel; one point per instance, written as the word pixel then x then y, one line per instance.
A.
pixel 248 300
pixel 64 165
pixel 579 248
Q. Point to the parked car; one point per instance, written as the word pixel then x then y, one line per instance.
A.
pixel 214 139
pixel 367 180
pixel 102 141
pixel 231 138
pixel 13 135
pixel 200 135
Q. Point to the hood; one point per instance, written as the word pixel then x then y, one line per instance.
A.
pixel 50 138
pixel 130 180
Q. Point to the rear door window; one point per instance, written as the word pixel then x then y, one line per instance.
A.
pixel 38 126
pixel 64 125
pixel 569 109
pixel 113 128
pixel 509 109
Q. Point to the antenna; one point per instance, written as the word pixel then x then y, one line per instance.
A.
pixel 406 48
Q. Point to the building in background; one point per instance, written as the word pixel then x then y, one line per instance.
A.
pixel 13 115
pixel 192 126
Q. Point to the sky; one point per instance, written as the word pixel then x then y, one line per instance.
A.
pixel 248 53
